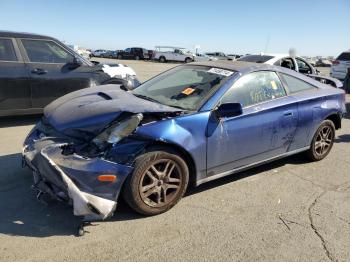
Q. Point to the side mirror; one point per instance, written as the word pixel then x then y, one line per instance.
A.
pixel 76 62
pixel 132 83
pixel 229 110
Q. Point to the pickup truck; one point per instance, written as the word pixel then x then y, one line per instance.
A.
pixel 171 53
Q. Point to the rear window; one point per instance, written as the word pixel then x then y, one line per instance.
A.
pixel 295 84
pixel 255 58
pixel 7 52
pixel 344 56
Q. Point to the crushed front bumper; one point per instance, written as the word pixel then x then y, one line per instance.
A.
pixel 72 177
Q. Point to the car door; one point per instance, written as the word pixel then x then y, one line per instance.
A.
pixel 264 130
pixel 178 55
pixel 303 67
pixel 127 53
pixel 14 78
pixel 51 71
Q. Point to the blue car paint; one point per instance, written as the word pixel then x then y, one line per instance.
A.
pixel 88 111
pixel 84 171
pixel 272 128
pixel 187 132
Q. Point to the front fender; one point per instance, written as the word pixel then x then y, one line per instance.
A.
pixel 187 132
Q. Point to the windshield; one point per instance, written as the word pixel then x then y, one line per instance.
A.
pixel 255 58
pixel 185 87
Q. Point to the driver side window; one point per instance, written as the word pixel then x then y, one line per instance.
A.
pixel 46 52
pixel 254 88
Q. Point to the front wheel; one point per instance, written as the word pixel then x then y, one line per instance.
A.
pixel 158 182
pixel 322 141
pixel 188 60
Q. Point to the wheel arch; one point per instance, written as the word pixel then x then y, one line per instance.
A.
pixel 181 151
pixel 336 119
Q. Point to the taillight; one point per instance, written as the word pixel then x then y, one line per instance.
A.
pixel 335 62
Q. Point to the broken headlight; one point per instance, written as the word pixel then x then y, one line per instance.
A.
pixel 118 131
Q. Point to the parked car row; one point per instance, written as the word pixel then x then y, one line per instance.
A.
pixel 136 53
pixel 163 54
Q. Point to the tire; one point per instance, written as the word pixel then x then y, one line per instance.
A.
pixel 137 57
pixel 322 141
pixel 146 193
pixel 188 60
pixel 119 57
pixel 162 59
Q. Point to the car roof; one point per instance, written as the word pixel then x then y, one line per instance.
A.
pixel 23 35
pixel 238 66
pixel 247 67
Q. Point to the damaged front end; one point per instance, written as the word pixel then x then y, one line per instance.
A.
pixel 87 174
pixel 84 147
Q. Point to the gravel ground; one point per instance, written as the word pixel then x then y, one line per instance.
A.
pixel 289 210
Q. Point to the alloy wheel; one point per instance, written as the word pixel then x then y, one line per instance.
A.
pixel 160 183
pixel 324 140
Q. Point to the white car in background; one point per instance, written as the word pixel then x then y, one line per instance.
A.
pixel 295 63
pixel 219 55
pixel 203 58
pixel 98 53
pixel 172 53
pixel 340 66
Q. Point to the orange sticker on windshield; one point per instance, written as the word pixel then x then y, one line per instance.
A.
pixel 188 91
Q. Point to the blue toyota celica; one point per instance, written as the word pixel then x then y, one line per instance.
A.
pixel 189 125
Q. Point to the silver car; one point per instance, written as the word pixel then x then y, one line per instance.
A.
pixel 340 66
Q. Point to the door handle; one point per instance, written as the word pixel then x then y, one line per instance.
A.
pixel 288 113
pixel 39 71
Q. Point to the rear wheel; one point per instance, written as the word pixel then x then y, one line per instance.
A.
pixel 162 59
pixel 137 57
pixel 322 141
pixel 119 57
pixel 158 182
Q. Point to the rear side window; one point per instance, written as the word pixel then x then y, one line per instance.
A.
pixel 42 51
pixel 255 88
pixel 344 56
pixel 255 58
pixel 295 84
pixel 7 51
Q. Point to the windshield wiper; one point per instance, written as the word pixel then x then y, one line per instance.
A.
pixel 156 101
pixel 147 98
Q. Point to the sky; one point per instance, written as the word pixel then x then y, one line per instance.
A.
pixel 312 27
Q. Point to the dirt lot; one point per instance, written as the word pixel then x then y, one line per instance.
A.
pixel 290 210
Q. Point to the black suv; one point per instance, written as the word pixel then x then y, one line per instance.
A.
pixel 135 53
pixel 36 69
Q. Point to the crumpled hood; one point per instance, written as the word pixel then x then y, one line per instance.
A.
pixel 89 110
